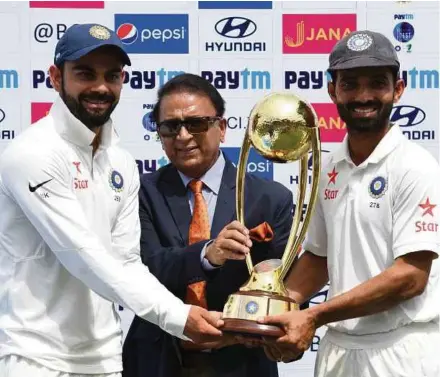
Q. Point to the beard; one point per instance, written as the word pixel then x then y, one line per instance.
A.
pixel 365 124
pixel 88 118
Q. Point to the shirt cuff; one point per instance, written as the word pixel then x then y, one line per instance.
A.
pixel 176 321
pixel 206 265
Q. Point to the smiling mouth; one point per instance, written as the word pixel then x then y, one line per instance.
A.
pixel 364 111
pixel 99 104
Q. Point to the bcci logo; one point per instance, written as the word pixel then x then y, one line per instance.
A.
pixel 251 307
pixel 99 32
pixel 116 181
pixel 359 42
pixel 377 187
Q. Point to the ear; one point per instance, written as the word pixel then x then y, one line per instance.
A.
pixel 399 88
pixel 331 89
pixel 56 77
pixel 222 127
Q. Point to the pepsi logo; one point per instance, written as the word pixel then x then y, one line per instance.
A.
pixel 127 33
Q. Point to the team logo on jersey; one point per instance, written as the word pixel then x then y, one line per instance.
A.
pixel 116 181
pixel 377 187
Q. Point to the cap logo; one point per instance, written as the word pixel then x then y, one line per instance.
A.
pixel 99 32
pixel 359 42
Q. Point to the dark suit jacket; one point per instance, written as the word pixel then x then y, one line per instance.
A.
pixel 165 217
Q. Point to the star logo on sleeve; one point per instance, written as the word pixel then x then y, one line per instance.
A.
pixel 332 176
pixel 427 207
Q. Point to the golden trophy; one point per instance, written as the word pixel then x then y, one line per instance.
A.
pixel 282 128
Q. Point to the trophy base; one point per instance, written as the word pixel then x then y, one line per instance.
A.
pixel 243 308
pixel 251 329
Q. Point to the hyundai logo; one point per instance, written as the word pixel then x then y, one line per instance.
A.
pixel 407 116
pixel 2 115
pixel 235 27
pixel 310 160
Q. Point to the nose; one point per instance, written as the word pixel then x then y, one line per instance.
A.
pixel 100 85
pixel 183 134
pixel 364 94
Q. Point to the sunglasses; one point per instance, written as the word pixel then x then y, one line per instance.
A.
pixel 194 125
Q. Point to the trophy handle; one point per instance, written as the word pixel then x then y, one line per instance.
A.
pixel 241 174
pixel 294 241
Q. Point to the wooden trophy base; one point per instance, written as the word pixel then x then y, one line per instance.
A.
pixel 243 308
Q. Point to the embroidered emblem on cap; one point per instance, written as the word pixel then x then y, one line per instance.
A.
pixel 359 42
pixel 377 187
pixel 99 32
pixel 116 181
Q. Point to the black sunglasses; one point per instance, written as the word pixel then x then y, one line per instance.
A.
pixel 194 125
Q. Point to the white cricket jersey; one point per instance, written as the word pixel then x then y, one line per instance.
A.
pixel 69 248
pixel 368 215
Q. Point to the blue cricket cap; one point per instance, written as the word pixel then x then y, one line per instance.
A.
pixel 81 39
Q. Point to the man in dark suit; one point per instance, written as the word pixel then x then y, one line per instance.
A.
pixel 191 240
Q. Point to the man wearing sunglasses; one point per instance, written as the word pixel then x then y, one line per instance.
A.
pixel 190 239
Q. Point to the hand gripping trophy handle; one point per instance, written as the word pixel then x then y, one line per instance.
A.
pixel 282 128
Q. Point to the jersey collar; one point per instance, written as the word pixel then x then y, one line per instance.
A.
pixel 73 130
pixel 388 143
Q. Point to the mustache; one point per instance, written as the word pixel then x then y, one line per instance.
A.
pixel 98 97
pixel 355 104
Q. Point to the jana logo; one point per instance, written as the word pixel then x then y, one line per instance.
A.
pixel 2 115
pixel 235 27
pixel 407 116
pixel 128 33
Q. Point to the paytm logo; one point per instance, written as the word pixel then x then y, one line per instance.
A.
pixel 150 166
pixel 135 79
pixel 244 79
pixel 149 79
pixel 8 79
pixel 421 79
pixel 153 33
pixel 256 164
pixel 414 79
pixel 306 79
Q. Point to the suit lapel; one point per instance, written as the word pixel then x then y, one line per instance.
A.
pixel 176 198
pixel 225 207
